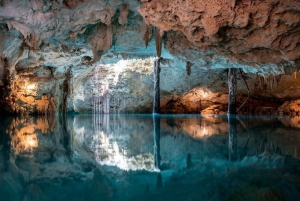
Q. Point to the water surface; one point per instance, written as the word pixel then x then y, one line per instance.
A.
pixel 141 157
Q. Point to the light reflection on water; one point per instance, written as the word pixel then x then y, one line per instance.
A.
pixel 141 157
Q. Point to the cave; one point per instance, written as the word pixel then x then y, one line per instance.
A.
pixel 149 99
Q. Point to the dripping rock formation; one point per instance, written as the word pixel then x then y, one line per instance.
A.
pixel 97 55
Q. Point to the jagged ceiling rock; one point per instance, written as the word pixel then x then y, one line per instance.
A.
pixel 251 31
pixel 57 19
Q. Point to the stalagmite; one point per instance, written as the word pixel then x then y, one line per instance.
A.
pixel 232 88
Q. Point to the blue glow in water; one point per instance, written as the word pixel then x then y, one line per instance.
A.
pixel 146 157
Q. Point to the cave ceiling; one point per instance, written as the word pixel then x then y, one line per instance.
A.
pixel 243 31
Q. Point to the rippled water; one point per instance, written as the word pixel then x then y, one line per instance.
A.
pixel 141 157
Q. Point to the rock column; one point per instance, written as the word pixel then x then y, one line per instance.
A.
pixel 156 100
pixel 232 87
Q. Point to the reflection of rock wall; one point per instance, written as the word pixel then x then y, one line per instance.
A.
pixel 116 141
pixel 293 122
pixel 24 132
pixel 68 159
pixel 75 148
pixel 42 148
pixel 197 127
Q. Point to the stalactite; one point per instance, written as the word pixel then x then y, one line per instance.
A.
pixel 261 82
pixel 146 33
pixel 265 81
pixel 30 37
pixel 248 91
pixel 275 81
pixel 102 39
pixel 158 42
pixel 66 90
pixel 123 17
pixel 272 82
pixel 109 37
pixel 33 41
pixel 188 68
pixel 73 36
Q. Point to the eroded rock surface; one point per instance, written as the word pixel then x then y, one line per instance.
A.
pixel 252 31
pixel 91 56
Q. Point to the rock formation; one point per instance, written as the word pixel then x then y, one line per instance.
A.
pixel 251 31
pixel 58 56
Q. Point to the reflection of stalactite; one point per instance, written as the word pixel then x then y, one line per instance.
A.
pixel 159 183
pixel 5 141
pixel 232 144
pixel 67 136
pixel 4 89
pixel 106 102
pixel 189 162
pixel 248 91
pixel 264 148
pixel 106 123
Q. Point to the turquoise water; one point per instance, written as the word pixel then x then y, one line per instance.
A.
pixel 141 157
